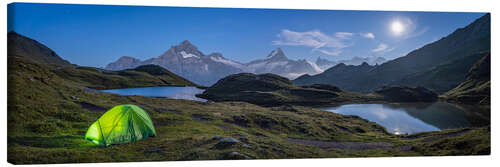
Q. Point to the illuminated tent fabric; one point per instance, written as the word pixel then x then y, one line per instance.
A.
pixel 122 124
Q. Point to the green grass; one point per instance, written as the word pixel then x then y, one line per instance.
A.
pixel 47 123
pixel 274 90
pixel 142 76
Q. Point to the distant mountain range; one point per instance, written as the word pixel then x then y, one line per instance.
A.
pixel 440 65
pixel 277 63
pixel 187 61
pixel 373 60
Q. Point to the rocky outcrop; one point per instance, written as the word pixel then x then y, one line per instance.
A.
pixel 273 90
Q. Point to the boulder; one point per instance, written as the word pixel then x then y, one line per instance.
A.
pixel 225 143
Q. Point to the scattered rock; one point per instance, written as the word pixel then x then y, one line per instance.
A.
pixel 263 121
pixel 200 117
pixel 216 138
pixel 225 143
pixel 241 120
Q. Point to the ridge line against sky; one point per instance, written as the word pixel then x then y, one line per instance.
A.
pixel 95 35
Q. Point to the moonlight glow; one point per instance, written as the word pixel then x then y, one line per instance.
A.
pixel 397 27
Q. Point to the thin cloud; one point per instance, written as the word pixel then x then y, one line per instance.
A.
pixel 315 39
pixel 344 35
pixel 368 35
pixel 331 53
pixel 388 50
pixel 381 47
pixel 418 33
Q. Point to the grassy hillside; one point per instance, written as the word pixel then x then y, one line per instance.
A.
pixel 477 88
pixel 49 115
pixel 444 77
pixel 142 76
pixel 20 45
pixel 273 90
pixel 347 77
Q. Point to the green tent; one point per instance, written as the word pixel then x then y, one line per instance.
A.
pixel 122 124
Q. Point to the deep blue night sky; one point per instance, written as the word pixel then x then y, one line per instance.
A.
pixel 95 35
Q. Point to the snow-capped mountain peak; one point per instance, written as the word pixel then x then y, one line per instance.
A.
pixel 277 63
pixel 187 61
pixel 188 55
pixel 314 66
pixel 277 54
pixel 217 57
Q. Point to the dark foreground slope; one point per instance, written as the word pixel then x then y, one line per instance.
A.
pixel 477 88
pixel 464 42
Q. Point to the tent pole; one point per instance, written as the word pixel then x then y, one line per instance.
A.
pixel 102 135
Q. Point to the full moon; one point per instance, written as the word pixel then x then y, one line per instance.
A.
pixel 397 27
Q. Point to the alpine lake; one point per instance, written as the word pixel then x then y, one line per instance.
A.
pixel 173 92
pixel 397 118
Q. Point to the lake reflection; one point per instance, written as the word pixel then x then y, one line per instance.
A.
pixel 408 118
pixel 173 92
